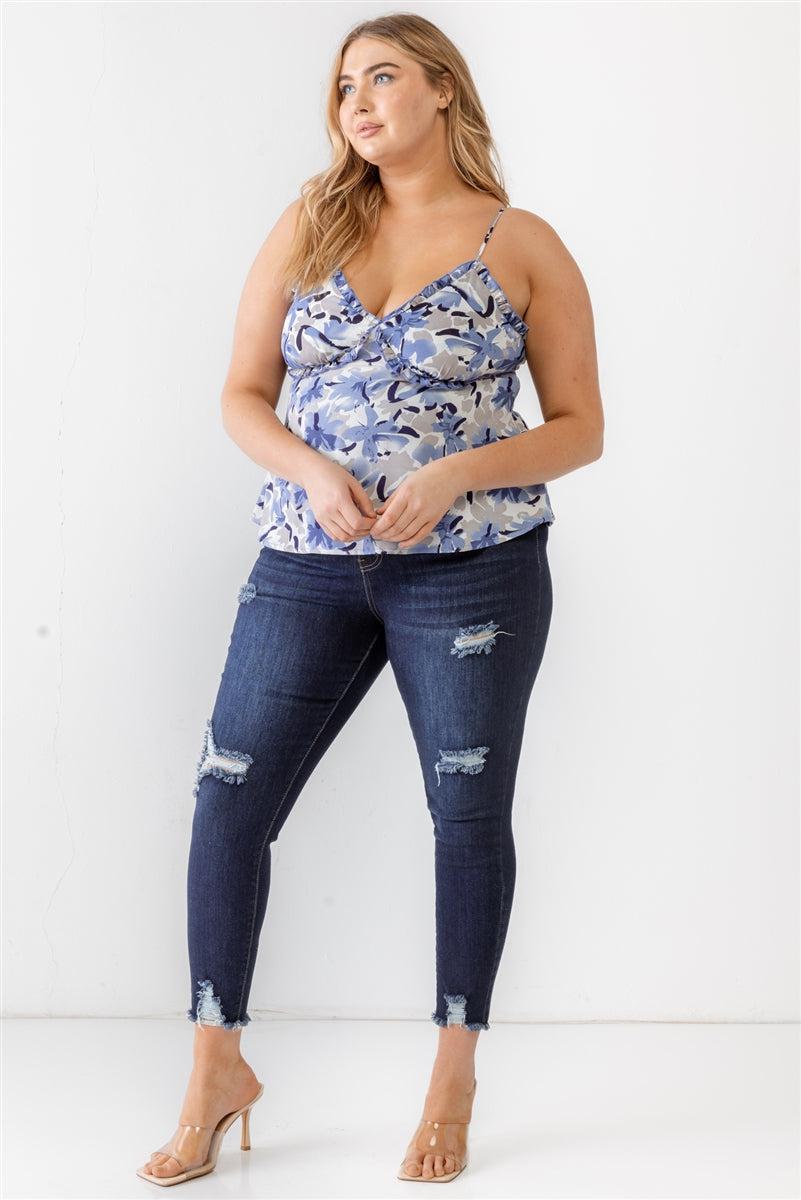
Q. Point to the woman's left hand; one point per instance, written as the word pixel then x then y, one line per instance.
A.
pixel 416 505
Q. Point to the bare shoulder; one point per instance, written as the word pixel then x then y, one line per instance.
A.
pixel 257 364
pixel 544 255
pixel 275 248
pixel 560 345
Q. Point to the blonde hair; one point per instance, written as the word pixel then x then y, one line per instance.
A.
pixel 341 205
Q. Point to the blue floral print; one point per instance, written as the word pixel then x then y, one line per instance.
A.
pixel 383 396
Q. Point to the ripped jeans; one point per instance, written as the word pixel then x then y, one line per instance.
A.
pixel 465 634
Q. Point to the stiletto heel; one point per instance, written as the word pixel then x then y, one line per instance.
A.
pixel 193 1165
pixel 440 1134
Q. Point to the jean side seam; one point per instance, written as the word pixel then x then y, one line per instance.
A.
pixel 496 961
pixel 309 749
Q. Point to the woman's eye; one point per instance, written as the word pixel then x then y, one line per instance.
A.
pixel 379 75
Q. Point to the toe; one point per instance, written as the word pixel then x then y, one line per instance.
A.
pixel 428 1166
pixel 439 1168
pixel 169 1166
pixel 411 1167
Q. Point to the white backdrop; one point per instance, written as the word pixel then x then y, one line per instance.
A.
pixel 148 150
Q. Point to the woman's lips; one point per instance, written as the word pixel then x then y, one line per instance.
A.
pixel 369 130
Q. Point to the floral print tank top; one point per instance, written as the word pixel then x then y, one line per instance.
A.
pixel 382 396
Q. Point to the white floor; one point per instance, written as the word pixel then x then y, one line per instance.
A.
pixel 579 1110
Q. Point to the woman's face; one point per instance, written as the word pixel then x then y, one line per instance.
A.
pixel 383 87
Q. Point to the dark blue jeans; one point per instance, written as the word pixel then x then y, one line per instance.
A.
pixel 465 633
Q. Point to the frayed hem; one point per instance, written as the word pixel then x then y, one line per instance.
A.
pixel 471 1025
pixel 190 1016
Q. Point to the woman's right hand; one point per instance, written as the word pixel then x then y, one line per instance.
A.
pixel 338 501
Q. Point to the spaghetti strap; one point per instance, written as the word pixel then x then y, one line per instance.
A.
pixel 488 234
pixel 459 333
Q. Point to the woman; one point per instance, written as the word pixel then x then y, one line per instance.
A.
pixel 399 522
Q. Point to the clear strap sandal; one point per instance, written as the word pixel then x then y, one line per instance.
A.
pixel 195 1147
pixel 448 1138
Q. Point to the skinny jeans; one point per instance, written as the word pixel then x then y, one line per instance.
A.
pixel 464 633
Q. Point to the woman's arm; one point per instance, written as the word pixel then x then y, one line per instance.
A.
pixel 340 504
pixel 253 384
pixel 561 354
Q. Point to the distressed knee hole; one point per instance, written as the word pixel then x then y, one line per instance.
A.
pixel 471 761
pixel 246 593
pixel 477 639
pixel 229 765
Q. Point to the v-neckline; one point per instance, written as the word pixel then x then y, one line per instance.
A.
pixel 424 291
pixel 345 289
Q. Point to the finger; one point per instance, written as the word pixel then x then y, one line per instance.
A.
pixel 402 527
pixel 363 501
pixel 385 512
pixel 388 509
pixel 392 522
pixel 417 535
pixel 352 518
pixel 336 531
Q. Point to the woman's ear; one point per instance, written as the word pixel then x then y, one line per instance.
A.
pixel 446 89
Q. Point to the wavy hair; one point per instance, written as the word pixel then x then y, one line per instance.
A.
pixel 341 205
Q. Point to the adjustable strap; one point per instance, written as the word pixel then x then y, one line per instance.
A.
pixel 488 234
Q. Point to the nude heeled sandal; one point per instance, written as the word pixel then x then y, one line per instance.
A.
pixel 201 1166
pixel 439 1137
